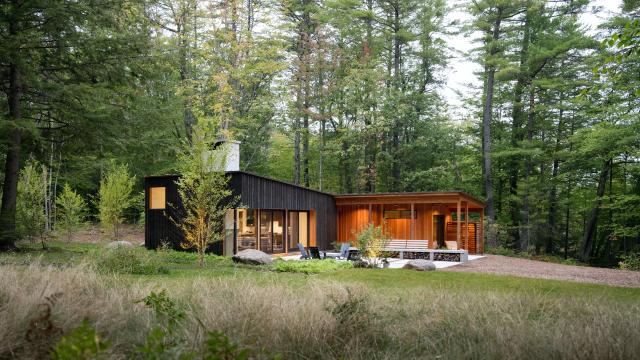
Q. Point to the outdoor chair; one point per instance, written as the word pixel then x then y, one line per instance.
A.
pixel 342 255
pixel 314 252
pixel 303 252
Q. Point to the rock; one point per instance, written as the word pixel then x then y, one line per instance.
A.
pixel 119 244
pixel 420 265
pixel 252 257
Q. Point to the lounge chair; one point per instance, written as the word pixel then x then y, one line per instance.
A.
pixel 342 255
pixel 314 252
pixel 303 252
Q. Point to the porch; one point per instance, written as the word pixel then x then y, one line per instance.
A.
pixel 452 220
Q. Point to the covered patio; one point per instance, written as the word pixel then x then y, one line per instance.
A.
pixel 452 220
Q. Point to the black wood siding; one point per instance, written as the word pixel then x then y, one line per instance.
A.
pixel 257 192
pixel 158 227
pixel 252 191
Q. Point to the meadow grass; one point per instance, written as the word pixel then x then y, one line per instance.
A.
pixel 346 313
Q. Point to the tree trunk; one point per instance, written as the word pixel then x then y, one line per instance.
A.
pixel 487 113
pixel 553 196
pixel 517 136
pixel 395 132
pixel 590 228
pixel 8 234
pixel 525 236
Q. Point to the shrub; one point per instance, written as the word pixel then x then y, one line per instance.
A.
pixel 114 197
pixel 371 242
pixel 129 261
pixel 311 266
pixel 505 251
pixel 630 262
pixel 81 343
pixel 30 207
pixel 218 346
pixel 71 211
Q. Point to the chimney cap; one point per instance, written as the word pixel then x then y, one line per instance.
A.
pixel 221 140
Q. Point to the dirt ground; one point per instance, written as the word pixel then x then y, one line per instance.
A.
pixel 94 234
pixel 504 265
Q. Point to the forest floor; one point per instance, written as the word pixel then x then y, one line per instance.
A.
pixel 505 265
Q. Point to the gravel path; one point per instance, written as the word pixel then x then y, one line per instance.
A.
pixel 504 265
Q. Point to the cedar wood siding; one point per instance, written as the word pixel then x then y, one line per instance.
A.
pixel 251 191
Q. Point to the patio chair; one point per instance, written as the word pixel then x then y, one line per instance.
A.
pixel 342 255
pixel 314 252
pixel 303 252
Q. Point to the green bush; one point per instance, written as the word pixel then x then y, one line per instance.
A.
pixel 30 207
pixel 114 197
pixel 630 262
pixel 129 261
pixel 72 210
pixel 81 343
pixel 504 251
pixel 186 257
pixel 311 266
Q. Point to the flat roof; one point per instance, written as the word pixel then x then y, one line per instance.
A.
pixel 433 196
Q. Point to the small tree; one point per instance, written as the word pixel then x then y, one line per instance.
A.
pixel 204 193
pixel 72 210
pixel 30 208
pixel 371 243
pixel 114 197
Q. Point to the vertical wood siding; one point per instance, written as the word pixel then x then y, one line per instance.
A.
pixel 252 191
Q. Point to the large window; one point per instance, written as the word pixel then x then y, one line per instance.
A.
pixel 272 231
pixel 247 222
pixel 298 229
pixel 157 198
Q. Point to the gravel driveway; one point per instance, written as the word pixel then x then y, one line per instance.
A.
pixel 504 265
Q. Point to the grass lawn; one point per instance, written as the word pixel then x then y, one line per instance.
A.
pixel 318 310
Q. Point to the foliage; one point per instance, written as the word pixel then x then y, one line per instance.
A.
pixel 30 213
pixel 371 241
pixel 630 262
pixel 114 197
pixel 71 211
pixel 162 341
pixel 204 193
pixel 124 260
pixel 219 347
pixel 313 266
pixel 81 343
pixel 165 308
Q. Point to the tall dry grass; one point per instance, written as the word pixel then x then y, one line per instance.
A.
pixel 325 320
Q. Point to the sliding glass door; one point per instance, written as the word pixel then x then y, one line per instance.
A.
pixel 298 229
pixel 272 231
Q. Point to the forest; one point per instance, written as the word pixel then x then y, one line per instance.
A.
pixel 344 96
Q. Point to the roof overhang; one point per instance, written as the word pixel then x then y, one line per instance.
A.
pixel 448 197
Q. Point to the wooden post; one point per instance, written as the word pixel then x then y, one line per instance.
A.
pixel 466 225
pixel 285 231
pixel 370 216
pixel 458 224
pixel 412 226
pixel 480 249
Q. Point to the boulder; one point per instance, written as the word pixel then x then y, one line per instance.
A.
pixel 119 244
pixel 420 265
pixel 252 257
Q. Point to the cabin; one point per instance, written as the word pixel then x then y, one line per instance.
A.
pixel 275 216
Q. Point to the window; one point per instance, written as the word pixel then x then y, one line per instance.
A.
pixel 157 198
pixel 247 229
pixel 398 214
